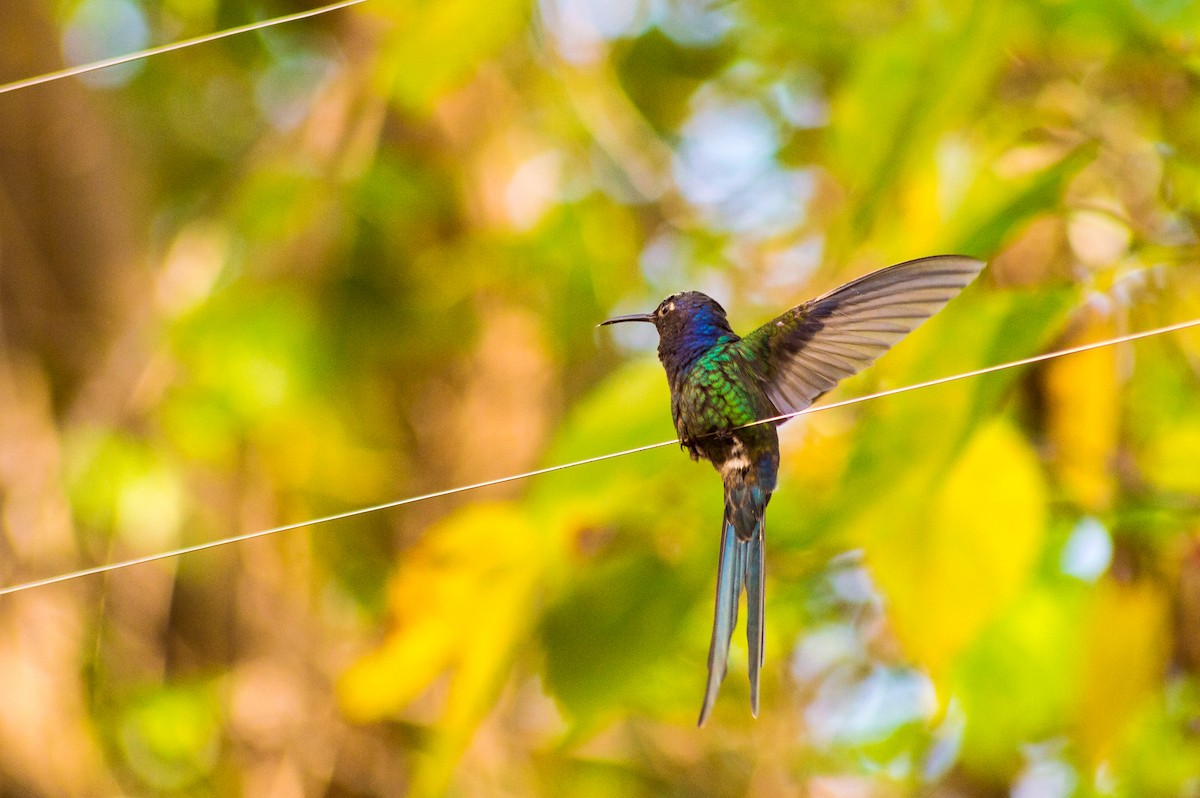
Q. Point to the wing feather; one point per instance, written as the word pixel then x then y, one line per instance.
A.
pixel 810 348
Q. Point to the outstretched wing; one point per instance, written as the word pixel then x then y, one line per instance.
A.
pixel 806 351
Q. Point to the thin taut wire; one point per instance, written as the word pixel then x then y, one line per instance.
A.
pixel 166 48
pixel 100 569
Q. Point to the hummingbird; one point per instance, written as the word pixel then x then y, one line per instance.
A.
pixel 722 384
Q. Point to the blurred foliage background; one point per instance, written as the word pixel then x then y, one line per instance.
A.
pixel 362 257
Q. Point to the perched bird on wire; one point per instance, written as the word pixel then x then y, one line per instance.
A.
pixel 720 383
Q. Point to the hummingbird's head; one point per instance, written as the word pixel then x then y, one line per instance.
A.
pixel 680 314
pixel 688 324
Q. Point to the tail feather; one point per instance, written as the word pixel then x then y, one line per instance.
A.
pixel 729 589
pixel 741 565
pixel 755 595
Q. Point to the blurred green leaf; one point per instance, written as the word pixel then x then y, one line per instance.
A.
pixel 120 482
pixel 611 630
pixel 1016 682
pixel 912 84
pixel 996 207
pixel 437 46
pixel 171 737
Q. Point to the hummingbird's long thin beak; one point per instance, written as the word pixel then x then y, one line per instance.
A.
pixel 631 317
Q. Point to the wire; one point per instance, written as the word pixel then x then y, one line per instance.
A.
pixel 212 544
pixel 101 569
pixel 166 48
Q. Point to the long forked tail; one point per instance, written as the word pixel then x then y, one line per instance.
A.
pixel 741 566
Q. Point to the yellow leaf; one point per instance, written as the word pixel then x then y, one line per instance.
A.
pixel 1083 415
pixel 461 601
pixel 950 560
pixel 1169 461
pixel 1125 649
